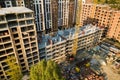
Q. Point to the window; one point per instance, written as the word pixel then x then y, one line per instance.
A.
pixel 8 4
pixel 29 21
pixel 20 16
pixel 2 18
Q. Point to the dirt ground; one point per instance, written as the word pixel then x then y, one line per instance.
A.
pixel 111 75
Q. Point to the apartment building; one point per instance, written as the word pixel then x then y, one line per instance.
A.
pixel 64 18
pixel 11 3
pixel 103 15
pixel 49 14
pixel 39 14
pixel 63 11
pixel 114 29
pixel 57 46
pixel 17 38
pixel 35 5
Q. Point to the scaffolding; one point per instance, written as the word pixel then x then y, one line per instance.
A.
pixel 78 13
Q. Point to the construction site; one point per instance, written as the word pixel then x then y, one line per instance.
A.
pixel 92 58
pixel 62 43
pixel 101 62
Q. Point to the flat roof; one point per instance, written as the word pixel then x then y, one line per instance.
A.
pixel 63 35
pixel 9 10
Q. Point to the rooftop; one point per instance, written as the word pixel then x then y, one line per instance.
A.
pixel 63 35
pixel 9 10
pixel 105 7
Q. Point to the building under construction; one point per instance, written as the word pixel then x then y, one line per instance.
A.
pixel 57 46
pixel 104 16
pixel 17 39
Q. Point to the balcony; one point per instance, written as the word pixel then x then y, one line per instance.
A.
pixel 24 35
pixel 26 41
pixel 35 57
pixel 6 39
pixel 2 53
pixel 20 56
pixel 10 17
pixel 1 47
pixel 18 46
pixel 33 44
pixel 32 34
pixel 35 54
pixel 20 16
pixel 23 29
pixel 22 61
pixel 6 68
pixel 36 61
pixel 19 51
pixel 15 36
pixel 27 46
pixel 28 51
pixel 22 23
pixel 29 55
pixel 29 21
pixel 1 73
pixel 4 33
pixel 8 45
pixel 9 51
pixel 3 26
pixel 4 64
pixel 28 15
pixel 17 41
pixel 2 19
pixel 24 69
pixel 0 40
pixel 30 27
pixel 32 39
pixel 2 77
pixel 3 58
pixel 14 30
pixel 23 64
pixel 13 24
pixel 30 60
pixel 30 64
pixel 34 49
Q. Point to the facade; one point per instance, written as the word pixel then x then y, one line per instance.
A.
pixel 64 18
pixel 49 14
pixel 71 17
pixel 11 3
pixel 57 46
pixel 17 38
pixel 35 5
pixel 103 15
pixel 39 14
pixel 114 29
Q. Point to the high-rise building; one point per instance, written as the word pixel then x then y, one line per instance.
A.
pixel 39 14
pixel 17 38
pixel 59 14
pixel 49 14
pixel 35 5
pixel 114 29
pixel 11 3
pixel 103 15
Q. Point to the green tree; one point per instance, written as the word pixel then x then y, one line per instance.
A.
pixel 45 70
pixel 14 72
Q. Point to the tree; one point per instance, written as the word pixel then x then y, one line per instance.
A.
pixel 45 70
pixel 14 72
